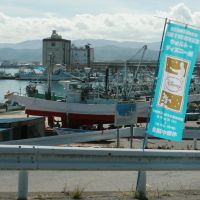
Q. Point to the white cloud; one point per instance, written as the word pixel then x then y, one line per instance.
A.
pixel 182 13
pixel 119 26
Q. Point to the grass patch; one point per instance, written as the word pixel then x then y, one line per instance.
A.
pixel 140 196
pixel 39 196
pixel 77 193
pixel 158 194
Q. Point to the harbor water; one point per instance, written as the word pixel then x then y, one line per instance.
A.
pixel 19 86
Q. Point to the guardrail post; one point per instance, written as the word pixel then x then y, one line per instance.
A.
pixel 141 185
pixel 141 179
pixel 23 185
pixel 195 143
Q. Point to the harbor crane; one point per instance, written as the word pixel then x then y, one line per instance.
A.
pixel 142 50
pixel 135 73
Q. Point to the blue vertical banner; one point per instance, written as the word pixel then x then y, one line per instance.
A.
pixel 177 61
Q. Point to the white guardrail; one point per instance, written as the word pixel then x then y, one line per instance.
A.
pixel 92 136
pixel 74 158
pixel 25 158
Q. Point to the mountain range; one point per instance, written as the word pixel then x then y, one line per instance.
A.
pixel 104 50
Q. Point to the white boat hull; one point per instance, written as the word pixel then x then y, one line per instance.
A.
pixel 78 113
pixel 74 113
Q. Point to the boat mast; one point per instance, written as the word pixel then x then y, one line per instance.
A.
pixel 106 80
pixel 50 67
pixel 125 81
pixel 87 46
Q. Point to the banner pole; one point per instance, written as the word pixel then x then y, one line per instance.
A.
pixel 154 84
pixel 141 179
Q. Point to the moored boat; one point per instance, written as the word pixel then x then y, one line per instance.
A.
pixel 74 115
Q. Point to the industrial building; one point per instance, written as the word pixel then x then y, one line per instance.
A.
pixel 82 55
pixel 56 50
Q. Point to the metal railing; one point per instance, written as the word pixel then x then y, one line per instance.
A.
pixel 76 158
pixel 25 158
pixel 94 136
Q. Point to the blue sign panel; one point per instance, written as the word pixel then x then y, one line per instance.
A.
pixel 180 49
pixel 125 114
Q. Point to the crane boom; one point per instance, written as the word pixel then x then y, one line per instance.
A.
pixel 136 72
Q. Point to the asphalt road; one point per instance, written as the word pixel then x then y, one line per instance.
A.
pixel 57 181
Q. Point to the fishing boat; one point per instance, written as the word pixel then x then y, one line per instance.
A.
pixel 39 73
pixel 4 75
pixel 74 115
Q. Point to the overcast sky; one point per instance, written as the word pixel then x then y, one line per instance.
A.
pixel 122 20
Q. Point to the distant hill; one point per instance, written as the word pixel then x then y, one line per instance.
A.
pixel 20 55
pixel 124 44
pixel 112 53
pixel 30 44
pixel 105 50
